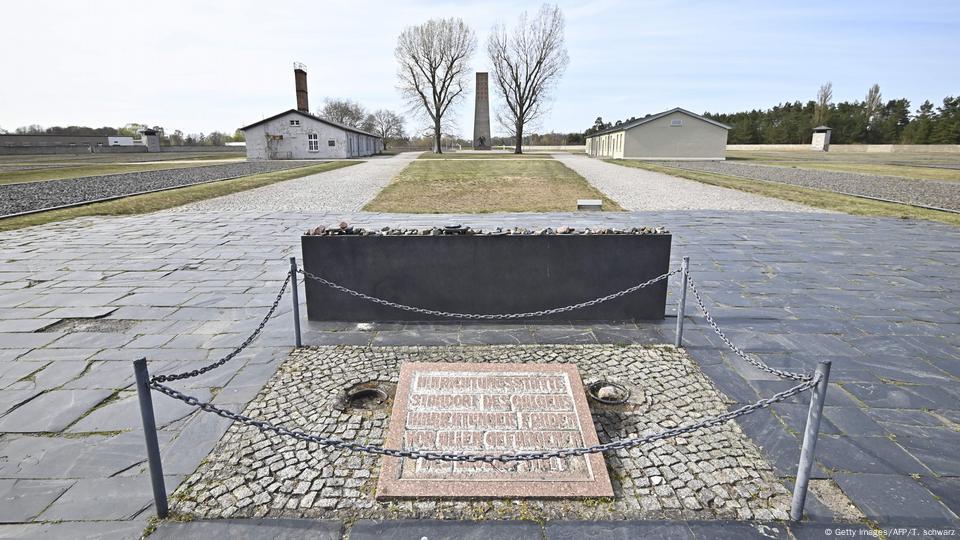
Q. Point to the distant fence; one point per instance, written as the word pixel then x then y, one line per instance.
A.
pixel 851 148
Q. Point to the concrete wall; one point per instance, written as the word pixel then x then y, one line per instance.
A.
pixel 852 148
pixel 277 139
pixel 204 149
pixel 659 139
pixel 72 149
pixel 51 140
pixel 549 148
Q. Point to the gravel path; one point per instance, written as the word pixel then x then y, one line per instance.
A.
pixel 340 190
pixel 922 192
pixel 26 197
pixel 639 189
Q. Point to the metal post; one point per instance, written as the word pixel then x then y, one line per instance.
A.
pixel 810 433
pixel 150 434
pixel 296 300
pixel 681 307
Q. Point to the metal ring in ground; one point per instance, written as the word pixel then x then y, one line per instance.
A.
pixel 593 390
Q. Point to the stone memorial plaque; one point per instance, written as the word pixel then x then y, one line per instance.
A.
pixel 491 408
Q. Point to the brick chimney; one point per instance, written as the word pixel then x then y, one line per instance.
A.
pixel 300 78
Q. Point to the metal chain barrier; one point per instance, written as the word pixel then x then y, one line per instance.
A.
pixel 156 383
pixel 234 352
pixel 752 361
pixel 488 316
pixel 469 457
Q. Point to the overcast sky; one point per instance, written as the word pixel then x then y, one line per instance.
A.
pixel 201 66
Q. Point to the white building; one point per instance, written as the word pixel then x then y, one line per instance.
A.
pixel 298 135
pixel 677 134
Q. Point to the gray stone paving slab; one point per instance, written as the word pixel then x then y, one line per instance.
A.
pixel 25 325
pixel 365 529
pixel 10 398
pixel 90 340
pixel 947 490
pixel 98 530
pixel 90 456
pixel 124 413
pixel 618 530
pixel 52 411
pixel 115 498
pixel 250 529
pixel 80 312
pixel 23 500
pixel 52 375
pixel 21 340
pixel 866 455
pixel 894 500
pixel 60 355
pixel 935 447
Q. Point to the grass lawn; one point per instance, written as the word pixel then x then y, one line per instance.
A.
pixel 912 165
pixel 151 202
pixel 494 185
pixel 78 171
pixel 810 197
pixel 478 155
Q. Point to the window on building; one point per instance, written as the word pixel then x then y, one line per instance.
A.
pixel 313 142
pixel 331 142
pixel 676 123
pixel 294 122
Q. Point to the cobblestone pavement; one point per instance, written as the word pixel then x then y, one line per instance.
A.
pixel 716 473
pixel 340 190
pixel 935 193
pixel 639 189
pixel 879 297
pixel 30 196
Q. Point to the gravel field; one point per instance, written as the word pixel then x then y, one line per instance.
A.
pixel 16 198
pixel 639 189
pixel 340 190
pixel 922 192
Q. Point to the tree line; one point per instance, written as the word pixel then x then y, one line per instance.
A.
pixel 385 123
pixel 134 129
pixel 871 121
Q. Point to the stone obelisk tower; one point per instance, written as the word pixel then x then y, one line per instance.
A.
pixel 481 115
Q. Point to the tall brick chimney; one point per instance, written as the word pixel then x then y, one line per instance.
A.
pixel 300 78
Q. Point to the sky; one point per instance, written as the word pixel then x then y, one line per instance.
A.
pixel 201 66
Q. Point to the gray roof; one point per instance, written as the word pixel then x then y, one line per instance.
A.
pixel 823 128
pixel 312 117
pixel 652 117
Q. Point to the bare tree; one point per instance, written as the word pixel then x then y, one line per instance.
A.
pixel 343 111
pixel 434 58
pixel 824 96
pixel 527 65
pixel 387 124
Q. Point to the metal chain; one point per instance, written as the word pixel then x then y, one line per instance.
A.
pixel 234 352
pixel 752 361
pixel 488 458
pixel 487 316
